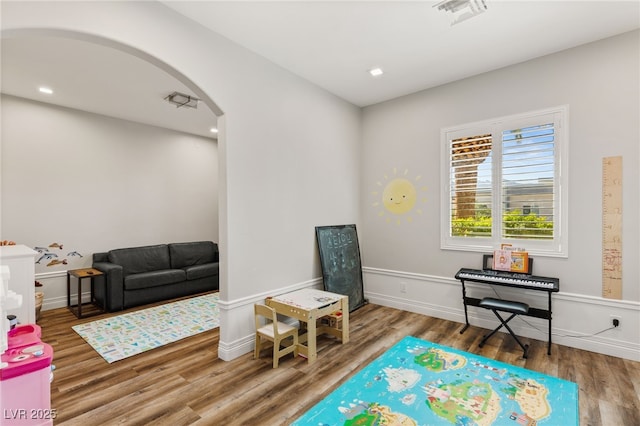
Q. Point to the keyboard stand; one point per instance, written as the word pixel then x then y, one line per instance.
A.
pixel 533 312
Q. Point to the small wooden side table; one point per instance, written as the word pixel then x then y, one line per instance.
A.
pixel 80 274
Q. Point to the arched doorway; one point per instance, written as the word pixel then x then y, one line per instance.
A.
pixel 206 100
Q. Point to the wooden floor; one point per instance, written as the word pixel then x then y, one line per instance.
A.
pixel 185 382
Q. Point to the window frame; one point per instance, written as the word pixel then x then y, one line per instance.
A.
pixel 555 247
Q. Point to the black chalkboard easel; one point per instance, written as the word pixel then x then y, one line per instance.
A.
pixel 340 259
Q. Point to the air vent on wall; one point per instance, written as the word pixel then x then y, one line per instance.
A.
pixel 181 100
pixel 462 9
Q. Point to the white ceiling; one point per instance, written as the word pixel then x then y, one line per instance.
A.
pixel 330 43
pixel 335 43
pixel 98 79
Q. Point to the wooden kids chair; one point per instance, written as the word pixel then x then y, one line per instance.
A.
pixel 274 331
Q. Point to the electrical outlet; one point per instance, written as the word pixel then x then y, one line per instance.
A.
pixel 613 319
pixel 403 287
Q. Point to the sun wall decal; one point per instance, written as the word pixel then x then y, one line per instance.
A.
pixel 396 196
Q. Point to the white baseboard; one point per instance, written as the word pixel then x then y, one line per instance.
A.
pixel 58 302
pixel 240 313
pixel 54 286
pixel 229 351
pixel 576 318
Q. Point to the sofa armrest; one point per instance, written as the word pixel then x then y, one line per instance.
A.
pixel 114 279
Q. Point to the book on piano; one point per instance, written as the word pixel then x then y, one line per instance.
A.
pixel 501 260
pixel 520 262
pixel 513 259
pixel 523 263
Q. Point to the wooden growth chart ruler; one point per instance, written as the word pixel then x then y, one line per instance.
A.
pixel 612 227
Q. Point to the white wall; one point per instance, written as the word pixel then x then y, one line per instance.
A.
pixel 290 159
pixel 288 151
pixel 600 83
pixel 92 183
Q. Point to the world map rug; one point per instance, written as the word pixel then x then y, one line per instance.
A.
pixel 417 382
pixel 129 334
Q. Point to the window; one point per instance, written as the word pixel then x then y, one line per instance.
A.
pixel 504 184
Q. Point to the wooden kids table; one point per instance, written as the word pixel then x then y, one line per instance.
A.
pixel 309 305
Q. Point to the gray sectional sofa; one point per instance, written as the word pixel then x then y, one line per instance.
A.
pixel 140 275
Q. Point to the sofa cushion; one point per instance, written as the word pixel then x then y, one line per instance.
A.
pixel 100 257
pixel 194 253
pixel 141 259
pixel 200 271
pixel 154 279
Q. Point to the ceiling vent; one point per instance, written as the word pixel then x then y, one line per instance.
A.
pixel 462 9
pixel 181 100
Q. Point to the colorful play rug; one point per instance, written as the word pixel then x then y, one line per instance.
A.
pixel 129 334
pixel 417 382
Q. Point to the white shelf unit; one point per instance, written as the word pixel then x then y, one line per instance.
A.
pixel 21 262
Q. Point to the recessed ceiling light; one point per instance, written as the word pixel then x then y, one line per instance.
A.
pixel 376 72
pixel 213 130
pixel 46 90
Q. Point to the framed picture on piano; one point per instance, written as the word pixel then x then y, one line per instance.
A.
pixel 487 263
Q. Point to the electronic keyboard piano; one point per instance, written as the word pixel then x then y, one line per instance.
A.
pixel 509 279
